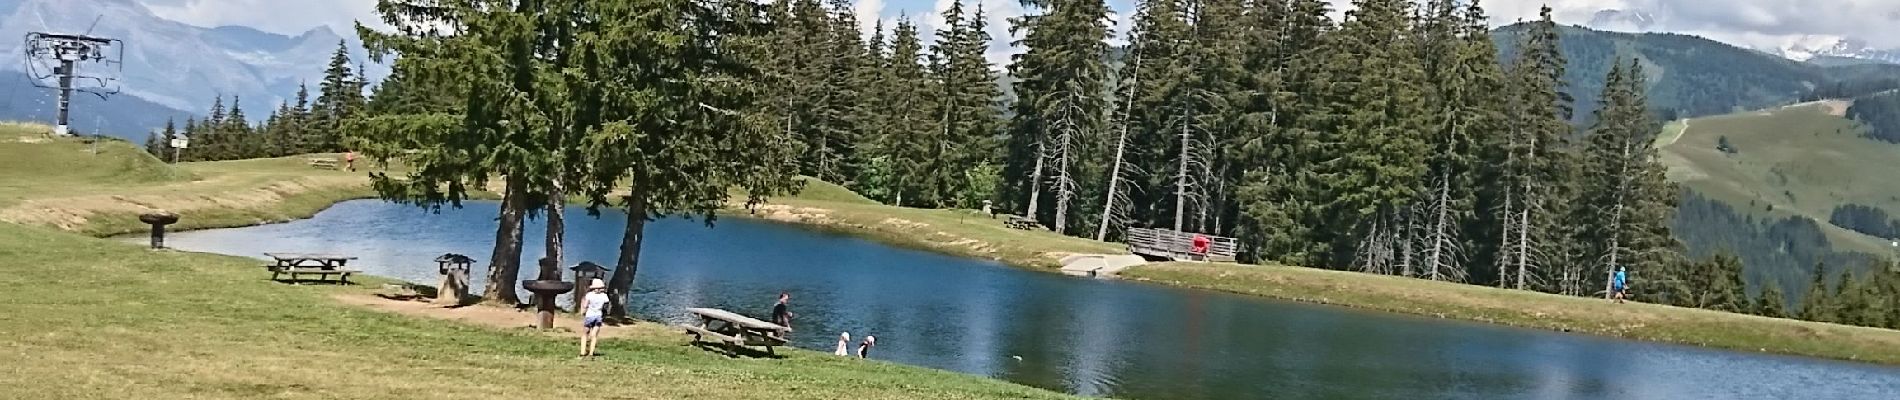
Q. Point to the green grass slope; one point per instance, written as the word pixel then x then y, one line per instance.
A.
pixel 1800 160
pixel 1689 76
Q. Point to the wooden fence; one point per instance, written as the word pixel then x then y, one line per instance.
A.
pixel 1179 246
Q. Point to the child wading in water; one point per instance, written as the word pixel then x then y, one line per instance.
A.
pixel 594 303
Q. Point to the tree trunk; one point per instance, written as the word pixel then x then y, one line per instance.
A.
pixel 621 285
pixel 1435 254
pixel 1121 144
pixel 1035 181
pixel 1504 241
pixel 557 226
pixel 1523 245
pixel 1065 190
pixel 504 264
pixel 1180 180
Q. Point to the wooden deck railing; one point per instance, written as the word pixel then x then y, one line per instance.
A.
pixel 1179 246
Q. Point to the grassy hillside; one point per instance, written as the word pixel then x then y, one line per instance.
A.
pixel 1689 76
pixel 98 188
pixel 1800 160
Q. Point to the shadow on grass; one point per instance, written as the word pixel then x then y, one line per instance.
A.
pixel 732 351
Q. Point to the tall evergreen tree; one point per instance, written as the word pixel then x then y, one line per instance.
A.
pixel 968 118
pixel 1281 196
pixel 1818 304
pixel 1771 303
pixel 338 96
pixel 1624 202
pixel 1061 76
pixel 1376 154
pixel 1528 165
pixel 909 132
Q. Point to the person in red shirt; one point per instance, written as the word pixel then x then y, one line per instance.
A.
pixel 1200 244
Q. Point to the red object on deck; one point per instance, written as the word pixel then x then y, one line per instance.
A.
pixel 1200 244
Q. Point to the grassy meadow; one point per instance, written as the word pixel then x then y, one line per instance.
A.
pixel 95 318
pixel 1798 160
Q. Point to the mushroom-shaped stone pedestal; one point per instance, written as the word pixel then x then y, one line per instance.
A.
pixel 158 220
pixel 544 291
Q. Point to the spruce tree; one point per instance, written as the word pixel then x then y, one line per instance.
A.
pixel 1528 171
pixel 1061 75
pixel 1371 162
pixel 1818 305
pixel 338 95
pixel 1281 196
pixel 1771 303
pixel 911 134
pixel 967 113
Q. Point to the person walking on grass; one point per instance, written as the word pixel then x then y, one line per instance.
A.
pixel 1619 284
pixel 349 160
pixel 844 343
pixel 591 317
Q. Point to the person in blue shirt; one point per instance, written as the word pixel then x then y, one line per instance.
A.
pixel 1619 283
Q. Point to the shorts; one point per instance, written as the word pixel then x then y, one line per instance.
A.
pixel 592 322
pixel 1618 289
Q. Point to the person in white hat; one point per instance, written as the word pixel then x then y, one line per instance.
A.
pixel 844 341
pixel 593 303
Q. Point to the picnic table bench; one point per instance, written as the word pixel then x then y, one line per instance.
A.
pixel 329 163
pixel 1021 222
pixel 301 264
pixel 734 330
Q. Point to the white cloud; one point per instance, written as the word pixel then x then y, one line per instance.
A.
pixel 1750 23
pixel 869 12
pixel 289 17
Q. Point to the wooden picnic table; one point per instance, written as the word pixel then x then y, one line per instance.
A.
pixel 300 264
pixel 1021 222
pixel 733 330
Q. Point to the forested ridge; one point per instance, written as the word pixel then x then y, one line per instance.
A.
pixel 1392 141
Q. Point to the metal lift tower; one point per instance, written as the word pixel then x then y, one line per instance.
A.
pixel 63 54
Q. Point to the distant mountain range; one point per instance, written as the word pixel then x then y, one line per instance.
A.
pixel 1820 49
pixel 171 64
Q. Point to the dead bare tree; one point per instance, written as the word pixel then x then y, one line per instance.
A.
pixel 1111 213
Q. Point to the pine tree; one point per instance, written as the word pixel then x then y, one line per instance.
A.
pixel 1528 170
pixel 1624 202
pixel 875 176
pixel 967 110
pixel 910 134
pixel 1465 80
pixel 1061 76
pixel 303 139
pixel 216 117
pixel 840 123
pixel 1371 162
pixel 1158 68
pixel 156 146
pixel 339 92
pixel 1280 196
pixel 1771 303
pixel 1818 305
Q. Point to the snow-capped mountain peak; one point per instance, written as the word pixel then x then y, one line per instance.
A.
pixel 1809 47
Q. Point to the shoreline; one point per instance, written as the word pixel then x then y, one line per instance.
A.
pixel 963 233
pixel 1695 327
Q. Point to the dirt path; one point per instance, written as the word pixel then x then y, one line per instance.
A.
pixel 494 317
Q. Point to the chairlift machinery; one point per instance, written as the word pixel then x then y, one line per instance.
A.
pixel 53 61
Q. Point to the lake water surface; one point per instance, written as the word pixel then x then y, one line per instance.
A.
pixel 1091 337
